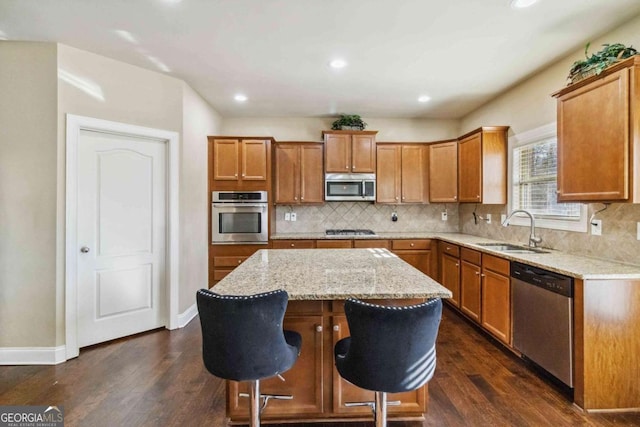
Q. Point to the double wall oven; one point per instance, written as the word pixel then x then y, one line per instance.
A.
pixel 239 217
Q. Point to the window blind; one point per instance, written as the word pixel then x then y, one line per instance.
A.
pixel 535 181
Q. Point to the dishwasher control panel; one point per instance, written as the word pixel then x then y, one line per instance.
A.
pixel 548 280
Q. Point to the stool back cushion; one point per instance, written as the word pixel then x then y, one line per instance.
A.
pixel 391 349
pixel 242 336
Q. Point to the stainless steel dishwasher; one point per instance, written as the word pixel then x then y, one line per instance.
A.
pixel 543 319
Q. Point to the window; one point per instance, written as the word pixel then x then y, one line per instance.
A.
pixel 533 167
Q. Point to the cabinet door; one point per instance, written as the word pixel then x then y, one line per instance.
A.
pixel 343 391
pixel 418 259
pixel 311 174
pixel 337 148
pixel 414 174
pixel 470 168
pixel 443 172
pixel 225 159
pixel 470 279
pixel 363 154
pixel 303 381
pixel 593 141
pixel 286 173
pixel 254 160
pixel 388 175
pixel 450 277
pixel 496 305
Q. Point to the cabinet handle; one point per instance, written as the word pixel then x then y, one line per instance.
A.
pixel 336 328
pixel 448 248
pixel 558 191
pixel 396 197
pixel 478 196
pixel 243 175
pixel 235 174
pixel 482 275
pixel 457 265
pixel 295 198
pixel 318 328
pixel 455 197
pixel 411 245
pixel 293 245
pixel 301 198
pixel 239 261
pixel 477 274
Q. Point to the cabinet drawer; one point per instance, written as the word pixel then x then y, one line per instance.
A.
pixel 338 306
pixel 220 274
pixel 499 265
pixel 449 248
pixel 304 307
pixel 471 256
pixel 411 244
pixel 328 244
pixel 293 244
pixel 228 261
pixel 371 244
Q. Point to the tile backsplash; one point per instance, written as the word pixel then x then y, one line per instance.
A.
pixel 618 240
pixel 316 219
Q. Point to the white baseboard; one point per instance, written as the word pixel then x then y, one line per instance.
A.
pixel 32 355
pixel 187 316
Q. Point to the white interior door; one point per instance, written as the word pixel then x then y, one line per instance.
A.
pixel 121 235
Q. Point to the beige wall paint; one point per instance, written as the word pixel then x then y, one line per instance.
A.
pixel 310 128
pixel 28 150
pixel 528 106
pixel 199 120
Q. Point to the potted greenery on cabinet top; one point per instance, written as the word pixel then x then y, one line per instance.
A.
pixel 596 63
pixel 349 122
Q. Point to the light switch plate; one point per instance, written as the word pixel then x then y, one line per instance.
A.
pixel 293 216
pixel 287 216
pixel 638 232
pixel 596 227
pixel 444 216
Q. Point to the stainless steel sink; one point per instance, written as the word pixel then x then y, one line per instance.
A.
pixel 512 249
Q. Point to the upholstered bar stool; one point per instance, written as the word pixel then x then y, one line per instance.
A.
pixel 243 340
pixel 390 350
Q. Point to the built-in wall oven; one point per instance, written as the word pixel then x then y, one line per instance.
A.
pixel 239 217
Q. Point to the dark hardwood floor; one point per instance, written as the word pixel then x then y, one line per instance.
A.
pixel 157 379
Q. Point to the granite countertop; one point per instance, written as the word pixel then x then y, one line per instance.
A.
pixel 330 274
pixel 579 267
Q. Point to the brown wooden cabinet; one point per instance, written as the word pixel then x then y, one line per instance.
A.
pixel 496 297
pixel 224 258
pixel 239 163
pixel 298 174
pixel 350 152
pixel 450 270
pixel 334 244
pixel 482 166
pixel 470 283
pixel 402 175
pixel 599 136
pixel 293 244
pixel 416 252
pixel 443 172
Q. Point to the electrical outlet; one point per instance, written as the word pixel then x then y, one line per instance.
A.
pixel 596 227
pixel 287 216
pixel 503 218
pixel 293 216
pixel 638 232
pixel 488 218
pixel 444 216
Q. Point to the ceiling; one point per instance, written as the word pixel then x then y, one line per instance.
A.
pixel 461 53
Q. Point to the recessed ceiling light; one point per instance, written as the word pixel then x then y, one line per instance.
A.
pixel 240 97
pixel 338 63
pixel 424 98
pixel 521 4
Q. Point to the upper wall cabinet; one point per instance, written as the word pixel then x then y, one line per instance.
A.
pixel 402 173
pixel 443 172
pixel 349 151
pixel 239 163
pixel 482 166
pixel 298 176
pixel 599 136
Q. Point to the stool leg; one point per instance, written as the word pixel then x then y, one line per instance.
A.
pixel 381 409
pixel 254 404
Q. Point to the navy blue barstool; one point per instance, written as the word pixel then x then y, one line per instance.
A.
pixel 390 350
pixel 243 340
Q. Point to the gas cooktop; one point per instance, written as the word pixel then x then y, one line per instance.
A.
pixel 350 232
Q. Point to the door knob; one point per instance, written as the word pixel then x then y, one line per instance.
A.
pixel 84 249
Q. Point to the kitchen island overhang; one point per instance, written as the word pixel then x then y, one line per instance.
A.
pixel 318 281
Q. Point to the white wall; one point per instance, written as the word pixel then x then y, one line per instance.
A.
pixel 28 146
pixel 310 128
pixel 198 120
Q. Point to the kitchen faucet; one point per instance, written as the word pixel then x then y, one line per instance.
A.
pixel 533 239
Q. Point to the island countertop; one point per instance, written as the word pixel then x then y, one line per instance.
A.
pixel 330 274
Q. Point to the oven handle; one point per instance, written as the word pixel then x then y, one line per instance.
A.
pixel 235 206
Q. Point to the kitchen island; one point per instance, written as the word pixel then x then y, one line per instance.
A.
pixel 318 281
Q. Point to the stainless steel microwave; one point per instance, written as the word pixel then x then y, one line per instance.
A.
pixel 239 217
pixel 350 187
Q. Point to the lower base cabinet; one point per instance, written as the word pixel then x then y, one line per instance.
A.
pixel 319 393
pixel 496 297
